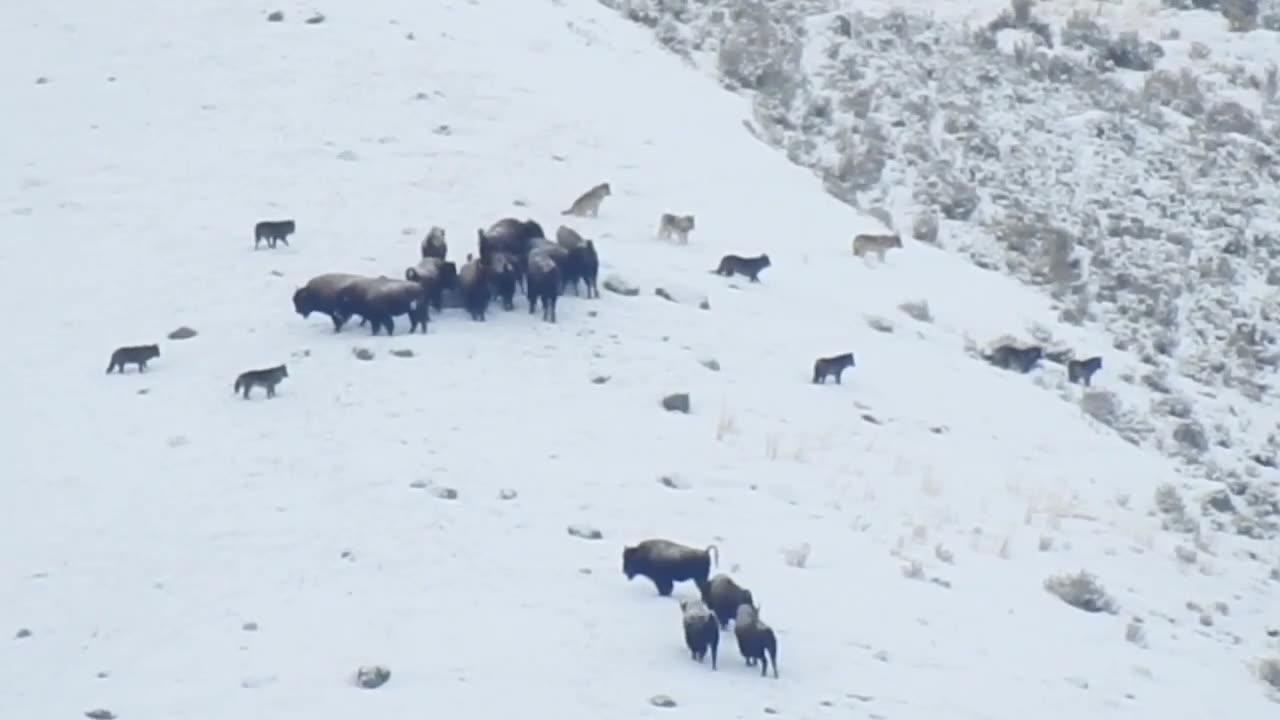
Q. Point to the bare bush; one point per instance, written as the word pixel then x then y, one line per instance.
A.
pixel 1081 591
pixel 1269 672
pixel 1135 633
pixel 917 310
pixel 1231 117
pixel 1101 405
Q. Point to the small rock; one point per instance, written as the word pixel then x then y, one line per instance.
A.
pixel 674 482
pixel 182 333
pixel 871 418
pixel 444 493
pixel 419 484
pixel 103 675
pixel 348 556
pixel 584 571
pixel 770 711
pixel 938 429
pixel 506 494
pixel 315 19
pixel 42 80
pixel 710 364
pixel 277 273
pixel 442 130
pixel 402 353
pixel 664 295
pixel 408 36
pixel 372 676
pixel 362 353
pixel 586 532
pixel 678 402
pixel 592 313
pixel 250 627
pixel 23 633
pixel 100 714
pixel 662 701
pixel 144 391
pixel 600 379
pixel 277 16
pixel 705 304
pixel 616 284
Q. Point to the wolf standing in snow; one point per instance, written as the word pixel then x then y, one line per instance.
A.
pixel 588 204
pixel 701 632
pixel 267 379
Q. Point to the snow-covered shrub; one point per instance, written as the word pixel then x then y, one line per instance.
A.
pixel 1230 116
pixel 917 310
pixel 1241 15
pixel 1081 591
pixel 1269 672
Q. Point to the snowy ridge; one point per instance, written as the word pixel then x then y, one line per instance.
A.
pixel 184 553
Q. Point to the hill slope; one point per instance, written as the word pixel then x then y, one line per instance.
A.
pixel 156 516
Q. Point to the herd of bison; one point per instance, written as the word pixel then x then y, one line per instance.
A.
pixel 512 255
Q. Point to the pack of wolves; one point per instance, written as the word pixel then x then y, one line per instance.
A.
pixel 720 601
pixel 514 256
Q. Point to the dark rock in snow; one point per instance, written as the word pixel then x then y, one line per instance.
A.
pixel 372 676
pixel 586 532
pixel 182 333
pixel 678 402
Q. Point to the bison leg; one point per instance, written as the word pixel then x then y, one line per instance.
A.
pixel 665 586
pixel 839 374
pixel 338 321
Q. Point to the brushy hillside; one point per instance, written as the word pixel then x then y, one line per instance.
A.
pixel 1119 156
pixel 934 536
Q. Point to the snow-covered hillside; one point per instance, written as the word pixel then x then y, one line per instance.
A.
pixel 175 551
pixel 1120 155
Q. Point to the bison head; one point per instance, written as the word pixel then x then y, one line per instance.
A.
pixel 630 562
pixel 303 302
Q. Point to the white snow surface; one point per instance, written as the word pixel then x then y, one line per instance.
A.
pixel 151 516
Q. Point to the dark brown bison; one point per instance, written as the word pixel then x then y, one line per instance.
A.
pixel 473 285
pixel 378 300
pixel 543 284
pixel 666 563
pixel 320 294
